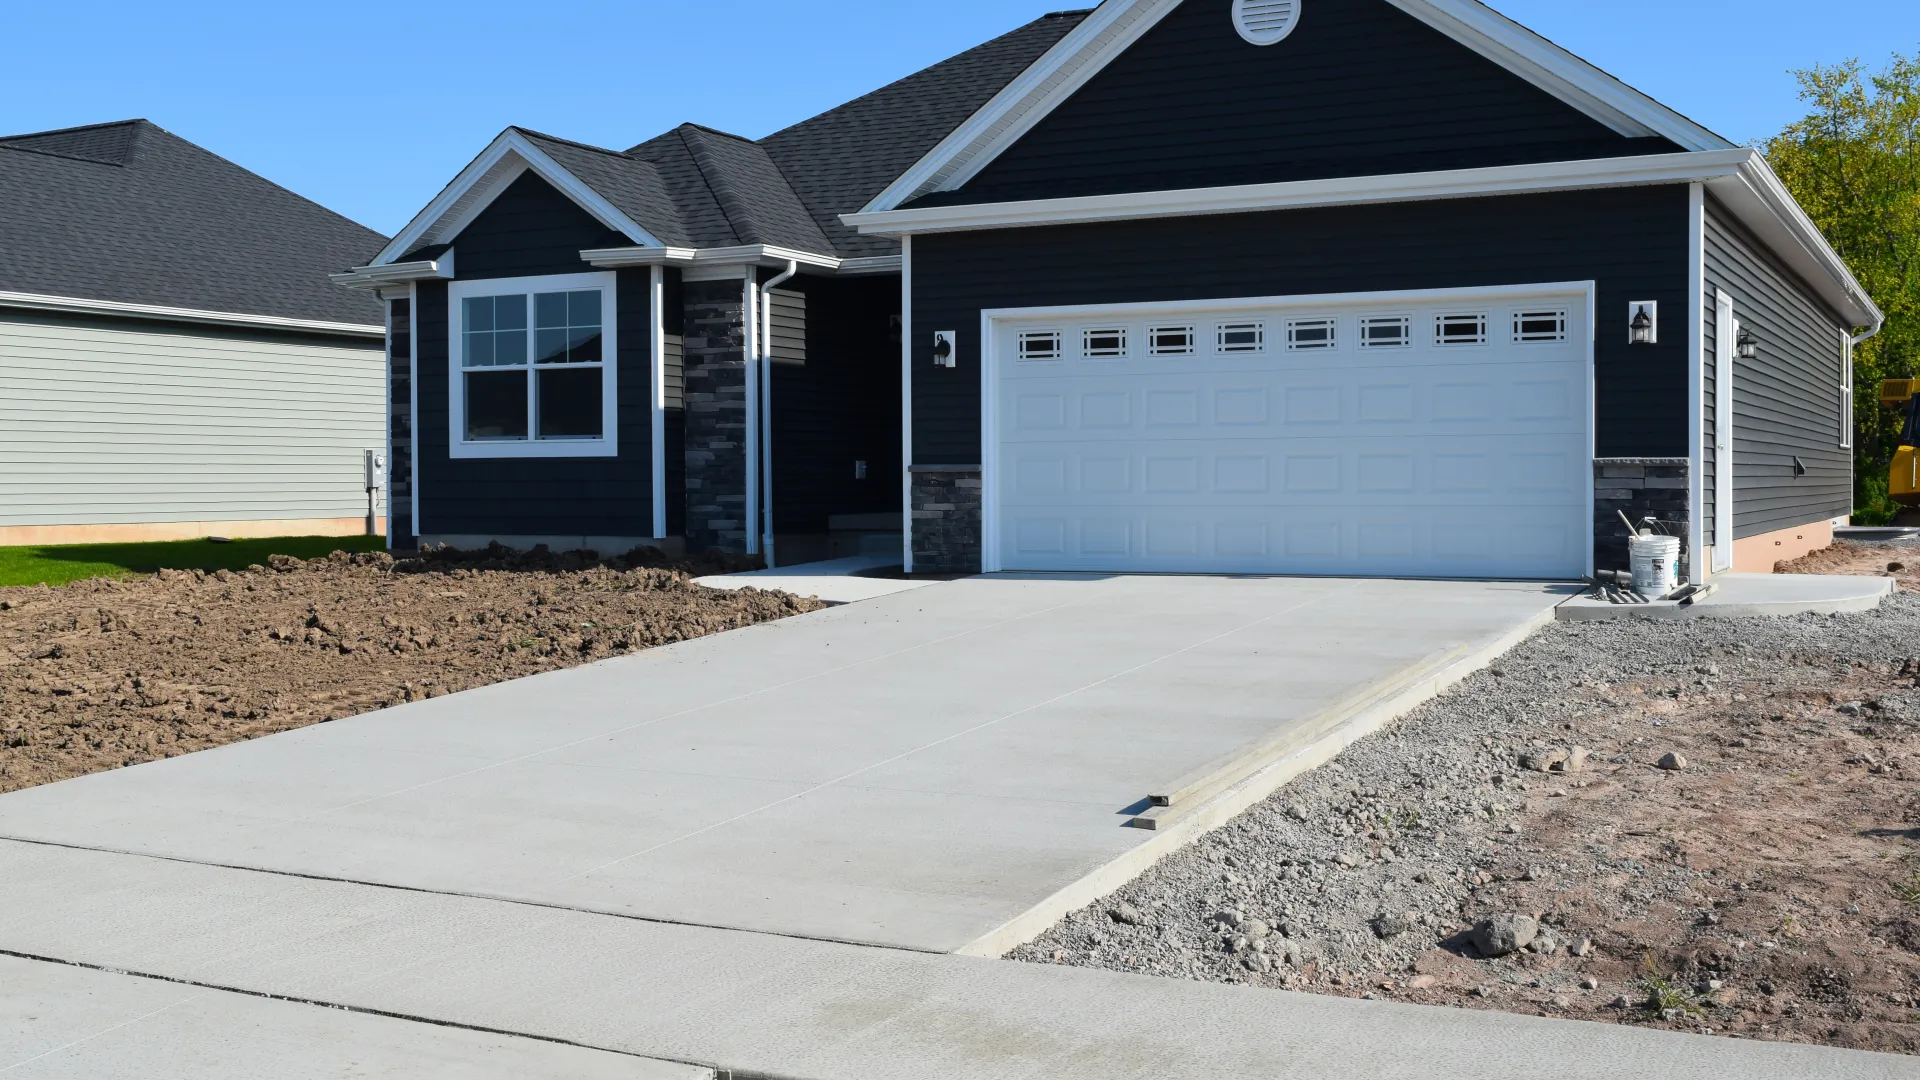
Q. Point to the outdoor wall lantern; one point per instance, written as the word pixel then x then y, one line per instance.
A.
pixel 943 347
pixel 1644 325
pixel 1747 347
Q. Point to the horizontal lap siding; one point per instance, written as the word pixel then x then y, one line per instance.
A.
pixel 1786 401
pixel 532 229
pixel 114 421
pixel 1359 88
pixel 1632 241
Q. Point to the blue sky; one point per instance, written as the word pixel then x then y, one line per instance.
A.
pixel 370 109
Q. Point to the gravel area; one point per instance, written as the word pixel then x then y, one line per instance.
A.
pixel 105 673
pixel 1704 825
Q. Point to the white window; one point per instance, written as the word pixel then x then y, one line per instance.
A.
pixel 1386 332
pixel 1846 391
pixel 1040 345
pixel 533 371
pixel 1532 326
pixel 1241 337
pixel 1170 340
pixel 1313 333
pixel 1460 329
pixel 1104 341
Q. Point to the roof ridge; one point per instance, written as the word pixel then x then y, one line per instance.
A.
pixel 717 131
pixel 575 143
pixel 80 127
pixel 731 205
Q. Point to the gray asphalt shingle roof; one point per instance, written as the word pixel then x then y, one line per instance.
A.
pixel 131 213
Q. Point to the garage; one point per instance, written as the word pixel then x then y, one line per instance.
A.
pixel 1429 434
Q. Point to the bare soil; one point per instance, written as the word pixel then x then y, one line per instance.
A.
pixel 1898 561
pixel 102 674
pixel 1768 888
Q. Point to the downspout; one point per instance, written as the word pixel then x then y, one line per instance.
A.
pixel 766 406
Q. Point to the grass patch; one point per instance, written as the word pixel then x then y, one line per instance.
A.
pixel 57 564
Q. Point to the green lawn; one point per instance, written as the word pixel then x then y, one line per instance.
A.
pixel 61 563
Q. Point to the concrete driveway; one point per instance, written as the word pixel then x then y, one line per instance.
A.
pixel 923 770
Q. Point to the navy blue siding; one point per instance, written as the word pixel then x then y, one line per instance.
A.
pixel 1359 88
pixel 1786 401
pixel 533 229
pixel 1632 241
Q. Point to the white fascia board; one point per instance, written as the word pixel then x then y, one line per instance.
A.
pixel 1300 194
pixel 502 162
pixel 872 264
pixel 83 306
pixel 736 255
pixel 1763 204
pixel 1024 102
pixel 373 277
pixel 1559 72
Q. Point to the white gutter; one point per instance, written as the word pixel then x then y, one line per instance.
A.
pixel 372 277
pixel 766 406
pixel 768 255
pixel 83 306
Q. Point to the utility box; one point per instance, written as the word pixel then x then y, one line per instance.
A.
pixel 376 470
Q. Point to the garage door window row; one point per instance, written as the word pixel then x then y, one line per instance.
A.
pixel 1451 329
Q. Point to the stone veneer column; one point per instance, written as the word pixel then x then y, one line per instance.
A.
pixel 1639 488
pixel 716 415
pixel 946 519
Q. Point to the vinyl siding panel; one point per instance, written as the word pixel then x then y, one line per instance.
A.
pixel 1632 241
pixel 109 421
pixel 1786 401
pixel 1359 88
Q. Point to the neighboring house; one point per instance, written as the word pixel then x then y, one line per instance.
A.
pixel 173 360
pixel 1371 287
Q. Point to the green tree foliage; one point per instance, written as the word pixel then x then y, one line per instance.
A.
pixel 1854 163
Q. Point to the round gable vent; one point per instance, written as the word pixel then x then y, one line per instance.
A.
pixel 1265 22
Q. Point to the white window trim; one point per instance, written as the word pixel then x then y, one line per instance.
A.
pixel 1846 391
pixel 608 445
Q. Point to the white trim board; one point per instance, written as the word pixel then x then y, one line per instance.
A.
pixel 474 189
pixel 82 306
pixel 1740 178
pixel 1116 25
pixel 1583 292
pixel 1696 382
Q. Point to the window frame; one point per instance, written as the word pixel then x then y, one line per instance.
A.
pixel 608 443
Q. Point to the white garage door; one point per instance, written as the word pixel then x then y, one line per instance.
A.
pixel 1419 435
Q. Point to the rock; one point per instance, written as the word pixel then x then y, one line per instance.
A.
pixel 1621 1002
pixel 1483 991
pixel 1347 861
pixel 1291 953
pixel 1389 925
pixel 1544 944
pixel 1297 812
pixel 1581 946
pixel 1534 873
pixel 1419 982
pixel 1256 929
pixel 1258 962
pixel 1229 917
pixel 1124 912
pixel 1562 1002
pixel 1541 759
pixel 1673 762
pixel 1240 943
pixel 1576 761
pixel 1589 983
pixel 1503 934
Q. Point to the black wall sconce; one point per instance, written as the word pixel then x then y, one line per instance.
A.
pixel 1643 322
pixel 1746 347
pixel 943 344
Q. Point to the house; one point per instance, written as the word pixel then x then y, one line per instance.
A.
pixel 1358 287
pixel 173 360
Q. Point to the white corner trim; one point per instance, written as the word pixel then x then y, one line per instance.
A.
pixel 1007 116
pixel 1559 72
pixel 1739 177
pixel 657 360
pixel 1117 24
pixel 83 306
pixel 906 404
pixel 501 163
pixel 1696 382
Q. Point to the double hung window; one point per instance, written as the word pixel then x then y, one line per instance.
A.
pixel 533 370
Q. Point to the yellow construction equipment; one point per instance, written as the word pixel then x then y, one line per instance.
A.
pixel 1903 479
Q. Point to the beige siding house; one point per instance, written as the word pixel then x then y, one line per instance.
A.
pixel 174 361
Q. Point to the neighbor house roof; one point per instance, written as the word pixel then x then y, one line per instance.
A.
pixel 128 217
pixel 695 187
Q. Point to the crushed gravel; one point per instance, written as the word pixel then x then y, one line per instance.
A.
pixel 1764 882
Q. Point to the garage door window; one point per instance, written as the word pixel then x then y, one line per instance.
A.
pixel 1104 341
pixel 1386 332
pixel 1312 334
pixel 1460 329
pixel 1170 340
pixel 1245 337
pixel 1040 345
pixel 1540 326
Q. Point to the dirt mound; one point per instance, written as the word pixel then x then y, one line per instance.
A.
pixel 1901 562
pixel 103 673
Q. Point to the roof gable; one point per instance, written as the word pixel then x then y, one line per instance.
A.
pixel 1358 89
pixel 1109 36
pixel 130 215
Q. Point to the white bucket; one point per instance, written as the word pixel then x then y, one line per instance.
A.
pixel 1656 564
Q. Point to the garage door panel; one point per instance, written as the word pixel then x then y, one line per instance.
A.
pixel 1424 459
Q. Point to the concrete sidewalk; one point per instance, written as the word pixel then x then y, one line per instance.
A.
pixel 837 581
pixel 921 770
pixel 784 1008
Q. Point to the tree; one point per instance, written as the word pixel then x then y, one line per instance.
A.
pixel 1853 162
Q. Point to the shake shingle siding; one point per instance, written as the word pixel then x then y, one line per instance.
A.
pixel 1631 240
pixel 1786 401
pixel 1360 88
